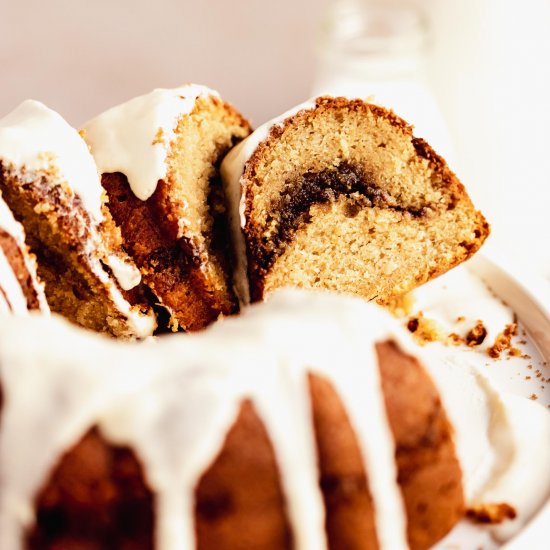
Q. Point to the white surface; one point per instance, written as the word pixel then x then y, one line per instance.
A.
pixel 527 298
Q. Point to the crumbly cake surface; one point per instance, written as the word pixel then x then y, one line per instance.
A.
pixel 343 197
pixel 72 256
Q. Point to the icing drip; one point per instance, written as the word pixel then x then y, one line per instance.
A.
pixel 142 325
pixel 127 275
pixel 134 138
pixel 37 139
pixel 263 355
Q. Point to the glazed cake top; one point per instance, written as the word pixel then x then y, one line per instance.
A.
pixel 36 139
pixel 135 137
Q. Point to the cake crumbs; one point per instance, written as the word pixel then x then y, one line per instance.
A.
pixel 476 335
pixel 455 339
pixel 503 342
pixel 491 513
pixel 400 306
pixel 533 397
pixel 159 137
pixel 424 330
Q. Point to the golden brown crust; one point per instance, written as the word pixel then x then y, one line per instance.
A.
pixel 349 509
pixel 167 266
pixel 14 256
pixel 239 499
pixel 428 470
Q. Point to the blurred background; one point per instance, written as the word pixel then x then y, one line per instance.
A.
pixel 473 76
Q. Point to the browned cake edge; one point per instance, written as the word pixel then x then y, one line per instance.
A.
pixel 15 257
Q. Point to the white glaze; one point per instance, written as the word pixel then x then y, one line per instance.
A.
pixel 134 138
pixel 263 355
pixel 141 325
pixel 526 474
pixel 232 169
pixel 127 274
pixel 34 138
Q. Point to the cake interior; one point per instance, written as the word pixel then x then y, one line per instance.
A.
pixel 58 233
pixel 195 191
pixel 343 199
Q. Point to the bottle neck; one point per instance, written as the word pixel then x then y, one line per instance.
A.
pixel 373 41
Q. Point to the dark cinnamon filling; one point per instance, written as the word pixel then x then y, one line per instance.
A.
pixel 292 208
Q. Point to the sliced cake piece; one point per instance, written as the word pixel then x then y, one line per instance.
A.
pixel 338 194
pixel 159 156
pixel 50 182
pixel 20 289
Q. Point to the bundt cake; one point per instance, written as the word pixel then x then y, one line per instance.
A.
pixel 20 289
pixel 159 157
pixel 338 194
pixel 310 421
pixel 50 182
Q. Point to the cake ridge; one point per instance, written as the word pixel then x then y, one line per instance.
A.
pixel 134 137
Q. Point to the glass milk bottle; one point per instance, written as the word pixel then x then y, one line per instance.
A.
pixel 377 50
